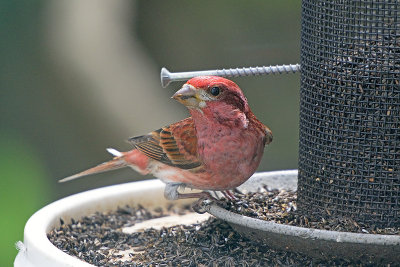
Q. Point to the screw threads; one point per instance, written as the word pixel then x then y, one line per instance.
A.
pixel 167 77
pixel 254 71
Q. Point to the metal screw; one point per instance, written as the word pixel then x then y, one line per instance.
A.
pixel 167 77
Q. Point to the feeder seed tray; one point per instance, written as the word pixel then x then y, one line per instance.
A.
pixel 316 243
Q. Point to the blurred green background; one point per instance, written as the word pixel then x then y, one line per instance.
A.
pixel 79 76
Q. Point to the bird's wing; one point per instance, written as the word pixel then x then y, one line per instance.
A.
pixel 174 145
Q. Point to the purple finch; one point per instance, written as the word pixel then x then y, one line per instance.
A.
pixel 218 148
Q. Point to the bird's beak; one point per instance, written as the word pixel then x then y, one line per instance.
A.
pixel 187 95
pixel 268 135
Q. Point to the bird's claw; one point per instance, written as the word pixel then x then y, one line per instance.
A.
pixel 202 205
pixel 229 195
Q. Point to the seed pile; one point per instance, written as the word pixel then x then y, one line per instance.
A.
pixel 281 207
pixel 98 240
pixel 95 238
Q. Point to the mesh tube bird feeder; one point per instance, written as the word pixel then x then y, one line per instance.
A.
pixel 349 154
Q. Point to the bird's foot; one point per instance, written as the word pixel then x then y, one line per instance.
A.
pixel 171 191
pixel 204 200
pixel 202 204
pixel 229 195
pixel 200 195
pixel 199 206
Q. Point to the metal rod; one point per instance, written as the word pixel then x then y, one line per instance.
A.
pixel 167 77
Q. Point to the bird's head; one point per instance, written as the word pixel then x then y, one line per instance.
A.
pixel 206 91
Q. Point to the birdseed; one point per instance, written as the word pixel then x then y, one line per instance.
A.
pixel 280 206
pixel 98 239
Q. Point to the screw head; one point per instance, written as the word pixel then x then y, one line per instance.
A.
pixel 165 77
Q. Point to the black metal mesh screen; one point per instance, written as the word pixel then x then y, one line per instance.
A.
pixel 349 159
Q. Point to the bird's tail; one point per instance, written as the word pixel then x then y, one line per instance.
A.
pixel 116 163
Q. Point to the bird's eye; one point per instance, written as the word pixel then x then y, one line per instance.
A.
pixel 214 91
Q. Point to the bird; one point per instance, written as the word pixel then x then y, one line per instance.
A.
pixel 217 148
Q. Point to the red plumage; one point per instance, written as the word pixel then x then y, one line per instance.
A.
pixel 218 148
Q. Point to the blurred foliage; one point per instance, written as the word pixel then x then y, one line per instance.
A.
pixel 47 133
pixel 23 190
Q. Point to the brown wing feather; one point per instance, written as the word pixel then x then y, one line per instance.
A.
pixel 174 145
